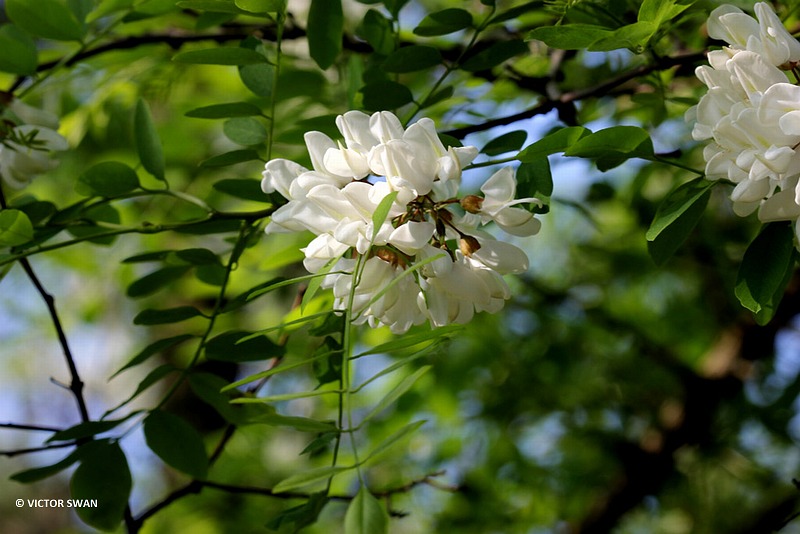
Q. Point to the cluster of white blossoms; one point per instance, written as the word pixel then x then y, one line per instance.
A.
pixel 751 112
pixel 459 268
pixel 27 136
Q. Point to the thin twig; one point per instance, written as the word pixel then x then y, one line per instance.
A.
pixel 37 428
pixel 17 452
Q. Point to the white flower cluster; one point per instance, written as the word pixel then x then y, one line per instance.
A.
pixel 751 112
pixel 27 136
pixel 461 267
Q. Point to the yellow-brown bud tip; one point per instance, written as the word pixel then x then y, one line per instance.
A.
pixel 472 203
pixel 468 245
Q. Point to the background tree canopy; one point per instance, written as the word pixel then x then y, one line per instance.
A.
pixel 166 357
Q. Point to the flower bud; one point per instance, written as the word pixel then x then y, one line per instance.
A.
pixel 472 203
pixel 468 245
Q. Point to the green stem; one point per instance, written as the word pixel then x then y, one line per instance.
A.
pixel 418 105
pixel 280 18
pixel 212 319
pixel 675 164
pixel 69 57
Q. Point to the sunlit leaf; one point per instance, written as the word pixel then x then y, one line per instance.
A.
pixel 306 478
pixel 366 515
pixel 15 228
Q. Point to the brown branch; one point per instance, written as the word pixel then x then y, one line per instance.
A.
pixel 37 428
pixel 17 452
pixel 76 384
pixel 567 99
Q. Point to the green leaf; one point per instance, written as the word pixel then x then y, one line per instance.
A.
pixel 633 36
pixel 569 36
pixel 224 55
pixel 103 475
pixel 328 368
pixel 275 370
pixel 15 228
pixel 366 515
pixel 211 227
pixel 660 11
pixel 671 237
pixel 108 179
pixel 508 142
pixel 558 141
pixel 382 212
pixel 153 349
pixel 303 424
pixel 231 158
pixel 325 28
pixel 207 386
pixel 196 256
pixel 410 340
pixel 104 213
pixel 612 146
pixel 494 55
pixel 300 516
pixel 676 203
pixel 150 283
pixel 151 317
pixel 396 392
pixel 394 438
pixel 244 188
pixel 385 95
pixel 19 51
pixel 39 473
pixel 306 478
pixel 412 58
pixel 51 19
pixel 153 377
pixel 262 6
pixel 245 131
pixel 224 111
pixel 107 7
pixel 534 179
pixel 229 347
pixel 764 266
pixel 377 31
pixel 214 6
pixel 148 145
pixel 176 442
pixel 258 78
pixel 87 429
pixel 443 22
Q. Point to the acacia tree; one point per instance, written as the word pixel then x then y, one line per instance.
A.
pixel 308 226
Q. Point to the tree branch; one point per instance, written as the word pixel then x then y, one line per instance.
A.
pixel 17 452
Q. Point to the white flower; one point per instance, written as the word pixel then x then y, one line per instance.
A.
pixel 766 36
pixel 19 163
pixel 751 112
pixel 337 202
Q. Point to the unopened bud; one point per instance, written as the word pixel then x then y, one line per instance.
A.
pixel 468 245
pixel 472 203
